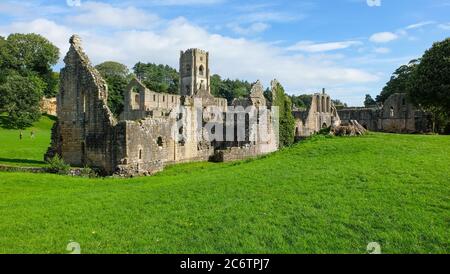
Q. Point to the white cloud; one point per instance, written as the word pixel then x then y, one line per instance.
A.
pixel 254 28
pixel 383 37
pixel 232 58
pixel 56 33
pixel 103 14
pixel 309 46
pixel 382 50
pixel 373 3
pixel 420 24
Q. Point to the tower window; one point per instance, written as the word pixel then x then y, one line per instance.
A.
pixel 392 112
pixel 140 154
pixel 160 141
pixel 201 70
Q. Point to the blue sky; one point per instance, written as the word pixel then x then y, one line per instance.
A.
pixel 350 47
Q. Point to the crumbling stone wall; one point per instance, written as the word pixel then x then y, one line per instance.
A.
pixel 86 132
pixel 396 115
pixel 321 114
pixel 152 130
pixel 48 106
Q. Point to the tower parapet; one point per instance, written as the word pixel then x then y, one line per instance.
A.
pixel 194 72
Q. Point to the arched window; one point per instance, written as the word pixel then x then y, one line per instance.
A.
pixel 136 99
pixel 160 141
pixel 201 70
pixel 392 112
pixel 318 103
pixel 323 104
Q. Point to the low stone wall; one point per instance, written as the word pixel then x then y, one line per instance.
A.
pixel 233 154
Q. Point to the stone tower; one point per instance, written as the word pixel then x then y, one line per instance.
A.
pixel 194 72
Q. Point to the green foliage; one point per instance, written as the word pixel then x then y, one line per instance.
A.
pixel 400 81
pixel 286 119
pixel 430 87
pixel 20 97
pixel 328 195
pixel 159 78
pixel 30 54
pixel 57 165
pixel 339 104
pixel 117 76
pixel 369 101
pixel 229 89
pixel 302 101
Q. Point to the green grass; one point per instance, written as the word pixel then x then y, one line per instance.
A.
pixel 327 195
pixel 28 151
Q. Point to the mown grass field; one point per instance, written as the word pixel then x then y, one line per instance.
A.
pixel 28 151
pixel 325 195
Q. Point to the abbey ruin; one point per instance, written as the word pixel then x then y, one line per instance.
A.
pixel 155 129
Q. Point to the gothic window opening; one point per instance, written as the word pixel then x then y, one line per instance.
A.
pixel 159 141
pixel 201 70
pixel 392 112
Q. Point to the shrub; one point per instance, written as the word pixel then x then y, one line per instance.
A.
pixel 57 165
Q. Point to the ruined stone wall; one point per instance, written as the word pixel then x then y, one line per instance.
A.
pixel 154 129
pixel 397 115
pixel 48 106
pixel 320 114
pixel 367 117
pixel 86 130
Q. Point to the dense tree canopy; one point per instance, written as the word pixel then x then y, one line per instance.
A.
pixel 31 54
pixel 301 101
pixel 229 89
pixel 400 81
pixel 20 97
pixel 159 78
pixel 26 75
pixel 117 76
pixel 430 85
pixel 369 101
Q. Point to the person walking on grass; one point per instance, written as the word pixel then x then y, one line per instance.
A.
pixel 32 134
pixel 20 135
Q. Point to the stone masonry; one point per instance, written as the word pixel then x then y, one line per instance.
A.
pixel 155 128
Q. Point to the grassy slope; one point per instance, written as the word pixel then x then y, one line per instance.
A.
pixel 28 151
pixel 327 195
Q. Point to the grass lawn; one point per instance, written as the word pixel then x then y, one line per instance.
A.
pixel 325 195
pixel 28 151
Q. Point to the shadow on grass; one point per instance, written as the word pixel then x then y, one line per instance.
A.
pixel 21 161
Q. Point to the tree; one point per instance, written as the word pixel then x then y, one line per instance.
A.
pixel 339 104
pixel 110 69
pixel 301 101
pixel 159 78
pixel 400 81
pixel 369 101
pixel 31 54
pixel 117 76
pixel 229 89
pixel 286 119
pixel 22 107
pixel 430 87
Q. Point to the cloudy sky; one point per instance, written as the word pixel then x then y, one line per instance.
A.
pixel 350 47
